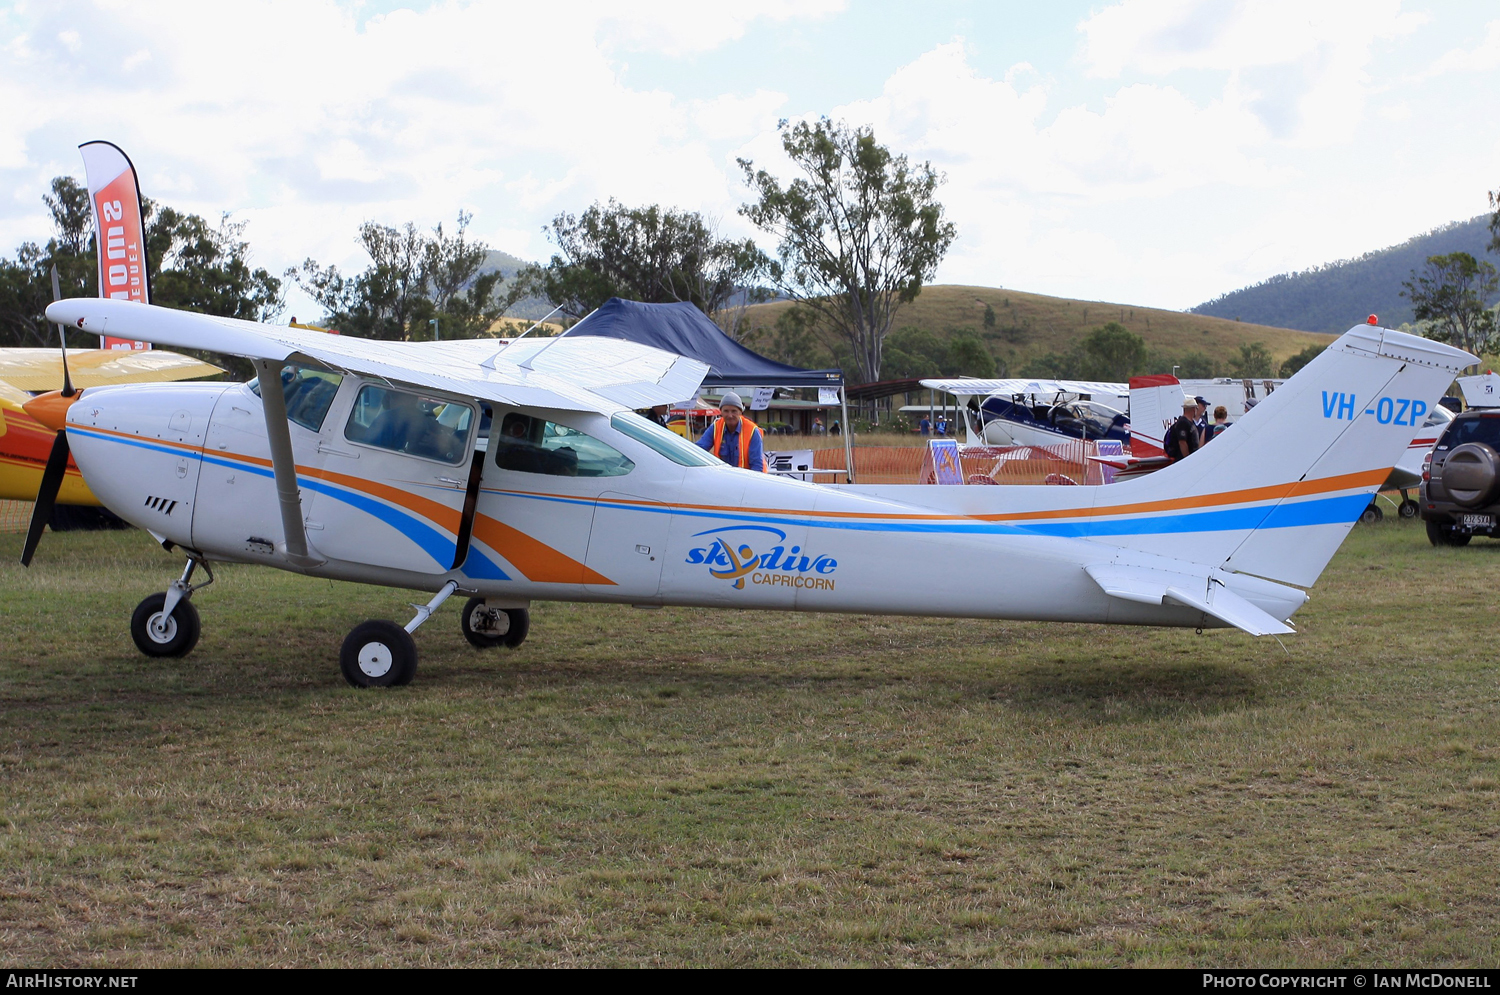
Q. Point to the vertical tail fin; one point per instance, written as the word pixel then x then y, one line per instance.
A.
pixel 1276 493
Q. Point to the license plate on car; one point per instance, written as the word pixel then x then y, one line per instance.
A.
pixel 1477 521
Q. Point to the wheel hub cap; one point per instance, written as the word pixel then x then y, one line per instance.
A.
pixel 375 659
pixel 162 628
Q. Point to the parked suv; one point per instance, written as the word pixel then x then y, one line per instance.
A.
pixel 1461 483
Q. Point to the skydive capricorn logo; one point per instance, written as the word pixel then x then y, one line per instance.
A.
pixel 730 556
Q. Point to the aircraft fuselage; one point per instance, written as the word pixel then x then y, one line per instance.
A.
pixel 615 520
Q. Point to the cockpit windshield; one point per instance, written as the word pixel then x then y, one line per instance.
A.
pixel 1086 419
pixel 309 394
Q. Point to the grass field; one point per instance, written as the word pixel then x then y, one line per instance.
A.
pixel 705 788
pixel 1031 325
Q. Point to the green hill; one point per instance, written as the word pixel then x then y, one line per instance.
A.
pixel 528 307
pixel 1331 297
pixel 1028 327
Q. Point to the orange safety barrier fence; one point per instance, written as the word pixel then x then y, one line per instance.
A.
pixel 1066 463
pixel 15 516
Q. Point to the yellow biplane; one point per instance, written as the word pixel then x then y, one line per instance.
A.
pixel 25 442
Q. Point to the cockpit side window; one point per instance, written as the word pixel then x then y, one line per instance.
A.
pixel 405 422
pixel 309 394
pixel 535 445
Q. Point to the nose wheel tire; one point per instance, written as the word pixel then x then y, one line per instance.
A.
pixel 171 635
pixel 378 654
pixel 486 628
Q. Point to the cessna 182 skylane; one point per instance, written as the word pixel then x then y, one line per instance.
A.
pixel 370 464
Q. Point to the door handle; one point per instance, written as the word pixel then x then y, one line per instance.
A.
pixel 450 480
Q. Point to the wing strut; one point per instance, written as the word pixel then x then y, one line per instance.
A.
pixel 288 495
pixel 471 501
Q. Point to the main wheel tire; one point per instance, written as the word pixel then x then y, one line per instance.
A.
pixel 1371 514
pixel 1410 508
pixel 1446 535
pixel 378 654
pixel 173 636
pixel 485 628
pixel 520 624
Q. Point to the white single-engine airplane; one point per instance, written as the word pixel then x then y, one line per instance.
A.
pixel 370 464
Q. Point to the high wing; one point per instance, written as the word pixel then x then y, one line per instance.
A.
pixel 973 386
pixel 582 374
pixel 41 369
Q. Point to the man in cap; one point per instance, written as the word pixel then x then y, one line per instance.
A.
pixel 1182 438
pixel 1201 419
pixel 734 438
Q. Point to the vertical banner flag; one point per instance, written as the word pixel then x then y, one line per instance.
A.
pixel 120 230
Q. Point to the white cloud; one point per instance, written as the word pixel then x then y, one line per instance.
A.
pixel 681 27
pixel 1208 144
pixel 306 120
pixel 1301 67
pixel 1481 58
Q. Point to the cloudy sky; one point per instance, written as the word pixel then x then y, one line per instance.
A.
pixel 1154 152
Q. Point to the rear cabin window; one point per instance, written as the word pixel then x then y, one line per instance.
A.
pixel 309 394
pixel 534 445
pixel 1485 428
pixel 405 422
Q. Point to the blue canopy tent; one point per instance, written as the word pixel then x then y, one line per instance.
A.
pixel 682 329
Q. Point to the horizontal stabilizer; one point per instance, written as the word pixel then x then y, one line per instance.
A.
pixel 1156 587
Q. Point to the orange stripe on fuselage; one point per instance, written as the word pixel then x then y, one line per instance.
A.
pixel 537 560
pixel 1323 485
pixel 1275 492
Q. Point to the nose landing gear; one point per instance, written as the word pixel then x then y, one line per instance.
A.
pixel 166 624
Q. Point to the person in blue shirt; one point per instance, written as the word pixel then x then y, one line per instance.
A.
pixel 925 426
pixel 734 438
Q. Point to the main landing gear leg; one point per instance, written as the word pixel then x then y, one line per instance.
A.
pixel 379 654
pixel 167 624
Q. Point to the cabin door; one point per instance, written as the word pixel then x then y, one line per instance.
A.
pixel 390 491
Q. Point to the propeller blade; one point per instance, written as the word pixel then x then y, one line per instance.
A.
pixel 67 387
pixel 46 495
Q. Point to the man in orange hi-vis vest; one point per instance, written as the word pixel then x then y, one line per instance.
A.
pixel 734 438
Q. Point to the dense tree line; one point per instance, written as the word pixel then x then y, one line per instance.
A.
pixel 418 285
pixel 858 233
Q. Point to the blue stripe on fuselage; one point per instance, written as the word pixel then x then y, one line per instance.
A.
pixel 1321 511
pixel 432 542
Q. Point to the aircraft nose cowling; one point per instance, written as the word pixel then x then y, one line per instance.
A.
pixel 51 408
pixel 140 448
